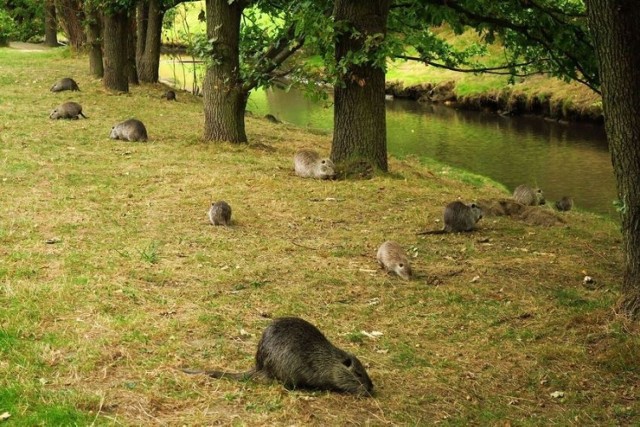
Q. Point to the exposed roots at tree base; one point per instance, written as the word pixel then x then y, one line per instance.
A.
pixel 629 306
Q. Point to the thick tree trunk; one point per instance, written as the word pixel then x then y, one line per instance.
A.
pixel 149 20
pixel 614 26
pixel 132 69
pixel 116 28
pixel 224 98
pixel 50 24
pixel 360 134
pixel 71 15
pixel 94 40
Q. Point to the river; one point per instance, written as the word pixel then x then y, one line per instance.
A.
pixel 562 159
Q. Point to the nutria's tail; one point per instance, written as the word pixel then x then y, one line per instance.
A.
pixel 239 376
pixel 432 232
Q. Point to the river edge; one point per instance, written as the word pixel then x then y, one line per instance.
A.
pixel 507 101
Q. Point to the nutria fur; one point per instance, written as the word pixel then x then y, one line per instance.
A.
pixel 392 257
pixel 459 217
pixel 500 207
pixel 64 84
pixel 296 353
pixel 535 215
pixel 309 164
pixel 68 110
pixel 564 204
pixel 129 130
pixel 169 95
pixel 272 118
pixel 220 213
pixel 528 196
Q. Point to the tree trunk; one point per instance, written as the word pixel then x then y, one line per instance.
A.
pixel 614 26
pixel 116 28
pixel 360 132
pixel 132 69
pixel 71 15
pixel 94 40
pixel 50 24
pixel 224 98
pixel 150 15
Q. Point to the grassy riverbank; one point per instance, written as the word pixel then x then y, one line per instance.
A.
pixel 111 279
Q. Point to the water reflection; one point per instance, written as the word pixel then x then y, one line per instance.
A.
pixel 562 159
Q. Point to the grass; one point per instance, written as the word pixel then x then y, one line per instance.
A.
pixel 111 278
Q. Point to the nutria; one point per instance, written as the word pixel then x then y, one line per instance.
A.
pixel 130 130
pixel 272 118
pixel 296 353
pixel 458 217
pixel 500 207
pixel 564 204
pixel 220 213
pixel 65 84
pixel 528 196
pixel 309 164
pixel 169 95
pixel 68 110
pixel 392 257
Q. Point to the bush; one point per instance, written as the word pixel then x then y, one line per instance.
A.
pixel 7 28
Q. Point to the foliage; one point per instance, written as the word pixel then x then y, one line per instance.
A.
pixel 7 27
pixel 27 17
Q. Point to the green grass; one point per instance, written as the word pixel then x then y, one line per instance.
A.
pixel 134 283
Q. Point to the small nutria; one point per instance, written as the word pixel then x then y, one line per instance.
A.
pixel 309 164
pixel 272 118
pixel 296 353
pixel 65 84
pixel 458 217
pixel 564 204
pixel 392 257
pixel 169 95
pixel 68 110
pixel 220 213
pixel 130 130
pixel 528 196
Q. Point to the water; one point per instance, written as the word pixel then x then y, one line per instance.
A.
pixel 561 159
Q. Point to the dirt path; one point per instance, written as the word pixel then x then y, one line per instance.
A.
pixel 28 47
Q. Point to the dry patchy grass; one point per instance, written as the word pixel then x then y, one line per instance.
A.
pixel 95 326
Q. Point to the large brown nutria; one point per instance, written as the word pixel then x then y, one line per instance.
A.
pixel 309 164
pixel 67 110
pixel 392 257
pixel 458 217
pixel 564 204
pixel 220 213
pixel 528 196
pixel 129 130
pixel 296 353
pixel 66 83
pixel 500 207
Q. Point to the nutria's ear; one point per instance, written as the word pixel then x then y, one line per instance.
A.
pixel 347 362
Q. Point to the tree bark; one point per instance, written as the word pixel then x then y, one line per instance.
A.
pixel 224 98
pixel 50 24
pixel 71 15
pixel 116 27
pixel 360 133
pixel 132 69
pixel 149 22
pixel 94 40
pixel 614 26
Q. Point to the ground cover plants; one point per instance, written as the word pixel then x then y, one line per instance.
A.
pixel 111 278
